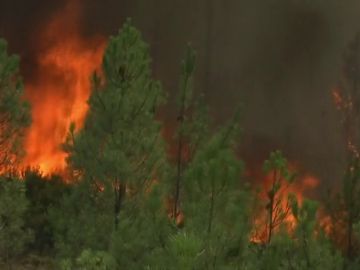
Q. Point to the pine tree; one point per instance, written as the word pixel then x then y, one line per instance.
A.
pixel 118 158
pixel 43 193
pixel 14 112
pixel 120 146
pixel 184 103
pixel 214 205
pixel 82 220
pixel 312 247
pixel 278 208
pixel 142 233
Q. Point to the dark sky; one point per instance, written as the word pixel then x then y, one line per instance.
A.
pixel 278 58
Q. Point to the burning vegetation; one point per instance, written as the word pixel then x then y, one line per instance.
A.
pixel 60 92
pixel 200 213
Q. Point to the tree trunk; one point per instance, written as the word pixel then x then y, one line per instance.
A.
pixel 120 192
pixel 211 210
pixel 271 208
pixel 180 119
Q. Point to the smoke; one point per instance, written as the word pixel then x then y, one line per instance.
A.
pixel 279 58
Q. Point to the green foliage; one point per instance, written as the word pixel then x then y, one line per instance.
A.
pixel 192 127
pixel 277 162
pixel 121 140
pixel 43 193
pixel 84 219
pixel 14 112
pixel 142 232
pixel 117 156
pixel 281 177
pixel 185 251
pixel 113 216
pixel 215 208
pixel 187 73
pixel 90 260
pixel 343 208
pixel 13 206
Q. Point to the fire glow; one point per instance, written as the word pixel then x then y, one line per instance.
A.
pixel 298 189
pixel 59 95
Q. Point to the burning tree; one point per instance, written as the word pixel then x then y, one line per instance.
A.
pixel 278 197
pixel 14 112
pixel 277 212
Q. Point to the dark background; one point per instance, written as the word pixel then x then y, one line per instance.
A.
pixel 279 58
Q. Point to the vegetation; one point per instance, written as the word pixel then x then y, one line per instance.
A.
pixel 14 112
pixel 127 204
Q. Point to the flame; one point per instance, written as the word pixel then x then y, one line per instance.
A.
pixel 299 188
pixel 59 96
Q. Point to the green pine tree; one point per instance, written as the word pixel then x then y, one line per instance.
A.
pixel 118 159
pixel 282 177
pixel 120 147
pixel 215 206
pixel 184 102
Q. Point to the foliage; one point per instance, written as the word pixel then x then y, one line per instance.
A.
pixel 281 177
pixel 115 214
pixel 43 193
pixel 120 147
pixel 214 206
pixel 185 251
pixel 14 112
pixel 84 219
pixel 90 260
pixel 13 206
pixel 117 156
pixel 192 127
pixel 142 232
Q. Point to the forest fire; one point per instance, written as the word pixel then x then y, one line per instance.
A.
pixel 59 95
pixel 282 212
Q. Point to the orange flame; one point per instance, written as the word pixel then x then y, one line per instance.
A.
pixel 299 188
pixel 60 95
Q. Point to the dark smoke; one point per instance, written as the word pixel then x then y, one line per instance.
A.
pixel 279 58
